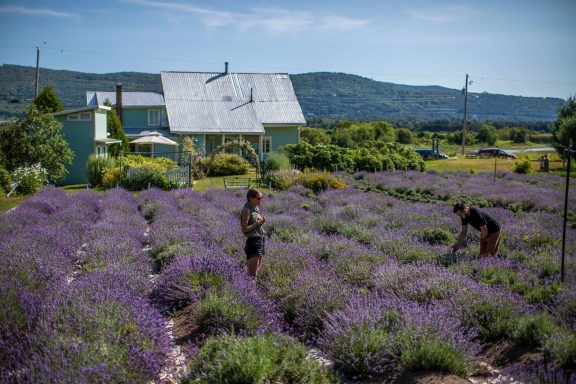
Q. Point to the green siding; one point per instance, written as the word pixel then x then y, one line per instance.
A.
pixel 101 124
pixel 135 118
pixel 138 118
pixel 80 137
pixel 281 135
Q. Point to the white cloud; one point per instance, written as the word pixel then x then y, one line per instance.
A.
pixel 34 11
pixel 273 20
pixel 441 15
pixel 342 23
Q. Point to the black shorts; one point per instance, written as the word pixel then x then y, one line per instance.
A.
pixel 254 247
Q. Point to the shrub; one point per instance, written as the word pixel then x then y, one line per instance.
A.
pixel 146 178
pixel 277 161
pixel 434 354
pixel 320 181
pixel 436 236
pixel 155 164
pixel 282 179
pixel 30 179
pixel 522 166
pixel 533 329
pixel 5 180
pixel 225 164
pixel 260 359
pixel 111 178
pixel 491 314
pixel 561 345
pixel 96 168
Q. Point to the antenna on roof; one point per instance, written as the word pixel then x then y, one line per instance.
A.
pixel 225 67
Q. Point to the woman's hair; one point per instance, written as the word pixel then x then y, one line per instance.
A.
pixel 458 207
pixel 252 193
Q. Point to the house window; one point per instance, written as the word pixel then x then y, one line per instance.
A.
pixel 83 116
pixel 266 145
pixel 154 117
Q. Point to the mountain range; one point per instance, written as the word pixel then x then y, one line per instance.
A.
pixel 321 95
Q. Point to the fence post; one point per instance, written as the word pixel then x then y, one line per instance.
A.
pixel 120 177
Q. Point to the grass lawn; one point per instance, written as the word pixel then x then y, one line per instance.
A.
pixel 487 164
pixel 218 181
pixel 7 203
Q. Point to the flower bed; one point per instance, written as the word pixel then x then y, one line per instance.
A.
pixel 363 277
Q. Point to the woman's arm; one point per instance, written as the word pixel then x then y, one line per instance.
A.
pixel 246 217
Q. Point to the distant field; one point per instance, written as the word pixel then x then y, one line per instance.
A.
pixel 460 163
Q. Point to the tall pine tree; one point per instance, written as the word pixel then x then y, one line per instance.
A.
pixel 48 101
pixel 116 132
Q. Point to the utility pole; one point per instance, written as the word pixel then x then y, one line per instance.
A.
pixel 567 153
pixel 465 90
pixel 37 82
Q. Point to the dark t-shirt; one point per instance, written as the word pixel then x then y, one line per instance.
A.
pixel 478 217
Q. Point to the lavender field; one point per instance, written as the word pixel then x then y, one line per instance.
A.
pixel 357 284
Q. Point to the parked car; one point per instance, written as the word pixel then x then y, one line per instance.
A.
pixel 427 154
pixel 491 152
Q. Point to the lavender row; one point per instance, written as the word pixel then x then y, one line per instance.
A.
pixel 510 190
pixel 197 275
pixel 38 250
pixel 324 250
pixel 94 322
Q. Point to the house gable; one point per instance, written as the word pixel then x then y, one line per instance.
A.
pixel 83 128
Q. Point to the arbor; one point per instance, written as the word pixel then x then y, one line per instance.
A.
pixel 564 129
pixel 36 138
pixel 48 101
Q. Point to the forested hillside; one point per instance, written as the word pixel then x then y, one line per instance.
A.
pixel 321 95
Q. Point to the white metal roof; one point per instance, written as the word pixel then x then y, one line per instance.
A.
pixel 207 102
pixel 129 99
pixel 83 109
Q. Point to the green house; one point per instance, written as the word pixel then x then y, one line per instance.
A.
pixel 85 131
pixel 211 108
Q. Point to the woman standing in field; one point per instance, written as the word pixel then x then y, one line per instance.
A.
pixel 252 221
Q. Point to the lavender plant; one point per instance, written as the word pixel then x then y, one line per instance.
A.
pixel 258 359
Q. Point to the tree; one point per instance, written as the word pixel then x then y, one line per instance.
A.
pixel 384 131
pixel 564 129
pixel 404 136
pixel 519 135
pixel 456 138
pixel 114 128
pixel 315 136
pixel 48 101
pixel 487 134
pixel 36 138
pixel 116 132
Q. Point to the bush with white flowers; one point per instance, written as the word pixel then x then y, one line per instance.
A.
pixel 30 178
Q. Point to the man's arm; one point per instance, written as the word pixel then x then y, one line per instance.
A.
pixel 461 242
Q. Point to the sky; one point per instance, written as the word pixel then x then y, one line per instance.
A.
pixel 511 47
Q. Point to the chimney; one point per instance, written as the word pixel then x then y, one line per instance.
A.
pixel 119 101
pixel 225 67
